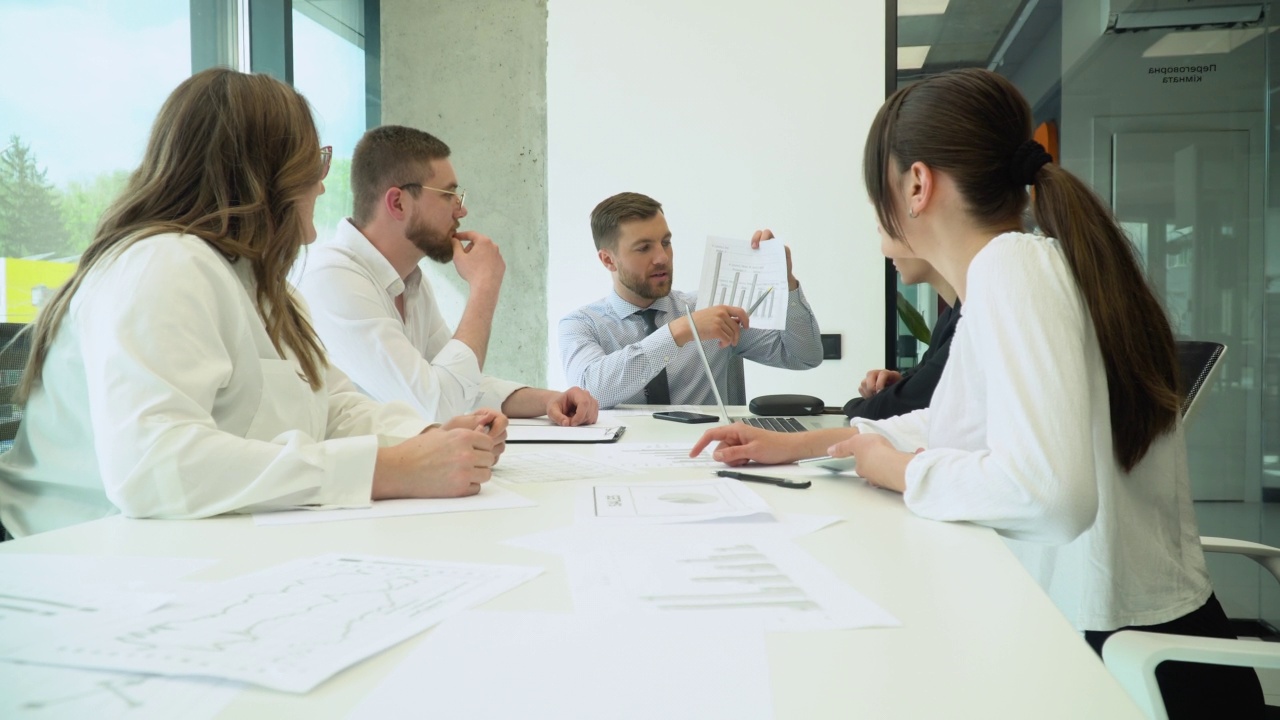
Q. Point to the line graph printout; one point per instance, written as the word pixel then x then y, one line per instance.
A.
pixel 41 692
pixel 773 584
pixel 289 627
pixel 734 274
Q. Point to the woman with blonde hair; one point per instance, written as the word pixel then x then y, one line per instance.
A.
pixel 176 375
pixel 1056 421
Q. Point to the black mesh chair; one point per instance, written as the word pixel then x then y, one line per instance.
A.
pixel 14 347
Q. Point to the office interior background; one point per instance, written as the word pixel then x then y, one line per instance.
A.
pixel 736 115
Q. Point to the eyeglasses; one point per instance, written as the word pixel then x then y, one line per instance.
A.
pixel 460 194
pixel 326 157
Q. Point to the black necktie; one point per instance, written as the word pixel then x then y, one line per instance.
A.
pixel 656 392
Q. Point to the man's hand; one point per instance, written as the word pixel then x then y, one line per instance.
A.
pixel 767 234
pixel 438 463
pixel 478 260
pixel 740 444
pixel 490 422
pixel 574 406
pixel 719 322
pixel 879 463
pixel 877 380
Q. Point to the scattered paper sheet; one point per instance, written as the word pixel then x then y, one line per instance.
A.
pixel 734 274
pixel 44 595
pixel 289 627
pixel 579 538
pixel 552 466
pixel 667 502
pixel 39 692
pixel 490 497
pixel 773 584
pixel 482 665
pixel 546 432
pixel 645 456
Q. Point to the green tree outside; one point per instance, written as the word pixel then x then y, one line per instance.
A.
pixel 31 220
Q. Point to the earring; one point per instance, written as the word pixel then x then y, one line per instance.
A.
pixel 912 214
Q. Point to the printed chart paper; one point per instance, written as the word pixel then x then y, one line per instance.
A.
pixel 289 627
pixel 775 585
pixel 734 274
pixel 667 502
pixel 490 497
pixel 482 665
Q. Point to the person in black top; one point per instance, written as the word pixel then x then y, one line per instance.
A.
pixel 886 393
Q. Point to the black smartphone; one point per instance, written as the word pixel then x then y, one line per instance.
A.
pixel 685 417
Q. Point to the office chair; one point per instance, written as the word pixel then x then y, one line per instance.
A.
pixel 1132 655
pixel 14 347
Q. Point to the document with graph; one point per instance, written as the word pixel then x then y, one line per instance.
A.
pixel 773 585
pixel 289 627
pixel 734 274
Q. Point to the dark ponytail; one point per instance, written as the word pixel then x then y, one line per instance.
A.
pixel 975 126
pixel 1132 329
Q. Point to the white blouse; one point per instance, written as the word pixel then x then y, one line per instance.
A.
pixel 162 396
pixel 1018 438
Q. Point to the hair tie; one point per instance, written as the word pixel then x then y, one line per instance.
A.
pixel 1027 161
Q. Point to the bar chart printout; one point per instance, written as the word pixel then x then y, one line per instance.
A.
pixel 734 274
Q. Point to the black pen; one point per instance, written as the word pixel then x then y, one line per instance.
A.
pixel 780 482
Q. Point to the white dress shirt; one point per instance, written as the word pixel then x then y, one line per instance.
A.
pixel 162 396
pixel 352 291
pixel 1018 438
pixel 607 349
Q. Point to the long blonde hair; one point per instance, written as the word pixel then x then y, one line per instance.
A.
pixel 230 160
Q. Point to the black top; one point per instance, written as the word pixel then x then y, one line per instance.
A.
pixel 915 389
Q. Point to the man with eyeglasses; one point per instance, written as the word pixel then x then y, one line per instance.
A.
pixel 375 311
pixel 634 346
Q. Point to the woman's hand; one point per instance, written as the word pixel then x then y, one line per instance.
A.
pixel 490 422
pixel 877 380
pixel 879 462
pixel 439 463
pixel 740 444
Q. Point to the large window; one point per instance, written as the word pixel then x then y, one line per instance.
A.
pixel 84 80
pixel 329 68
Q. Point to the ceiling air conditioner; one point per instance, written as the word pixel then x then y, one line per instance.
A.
pixel 1221 16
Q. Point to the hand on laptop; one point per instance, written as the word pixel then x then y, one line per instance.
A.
pixel 740 444
pixel 724 323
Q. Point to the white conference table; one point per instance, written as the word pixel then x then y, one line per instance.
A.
pixel 978 637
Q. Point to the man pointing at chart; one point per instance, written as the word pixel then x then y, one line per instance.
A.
pixel 634 346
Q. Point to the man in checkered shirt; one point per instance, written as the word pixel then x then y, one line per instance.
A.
pixel 621 347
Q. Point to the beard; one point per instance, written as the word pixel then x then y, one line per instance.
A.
pixel 434 244
pixel 643 287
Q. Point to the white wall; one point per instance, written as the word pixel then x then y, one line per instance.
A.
pixel 736 115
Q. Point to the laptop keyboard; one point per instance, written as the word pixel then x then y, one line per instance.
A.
pixel 778 424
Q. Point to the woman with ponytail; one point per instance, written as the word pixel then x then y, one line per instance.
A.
pixel 176 375
pixel 1056 421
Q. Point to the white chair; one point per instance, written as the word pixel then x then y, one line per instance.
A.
pixel 1132 655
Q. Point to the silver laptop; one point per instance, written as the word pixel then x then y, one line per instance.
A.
pixel 779 424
